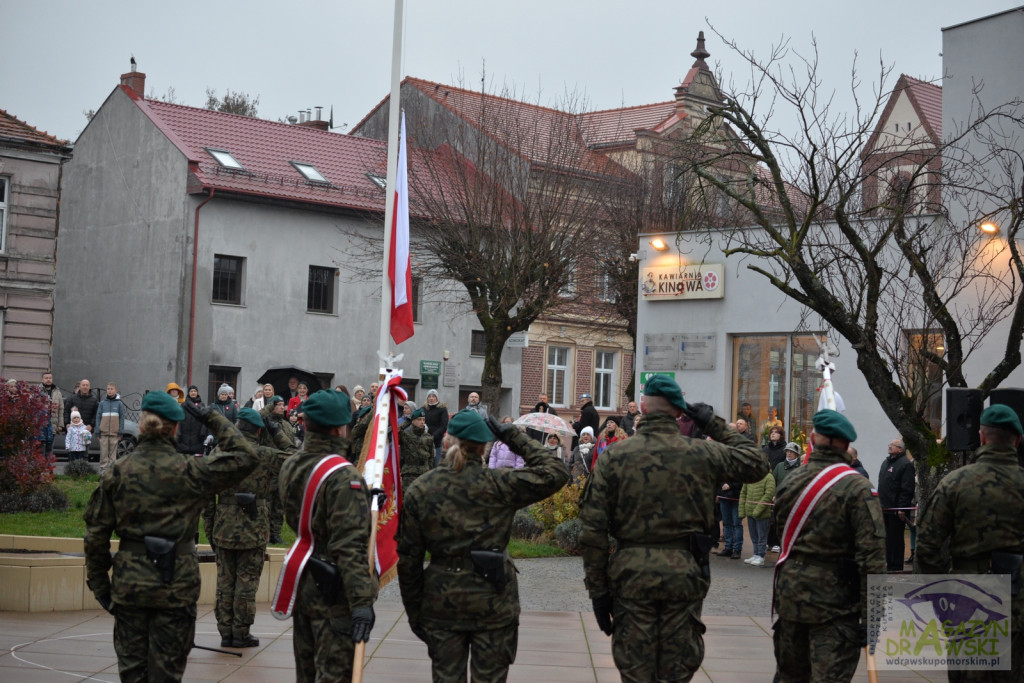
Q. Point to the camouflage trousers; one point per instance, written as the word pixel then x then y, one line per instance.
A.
pixel 1014 675
pixel 816 652
pixel 276 512
pixel 657 640
pixel 238 578
pixel 493 652
pixel 153 644
pixel 322 646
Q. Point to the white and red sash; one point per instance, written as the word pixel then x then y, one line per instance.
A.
pixel 302 549
pixel 803 507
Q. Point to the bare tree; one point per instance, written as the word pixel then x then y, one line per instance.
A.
pixel 903 273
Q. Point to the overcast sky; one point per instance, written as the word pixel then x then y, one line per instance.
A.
pixel 63 57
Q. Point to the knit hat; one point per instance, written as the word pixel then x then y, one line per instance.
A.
pixel 468 425
pixel 75 413
pixel 164 405
pixel 794 447
pixel 356 389
pixel 1002 417
pixel 434 392
pixel 412 405
pixel 328 408
pixel 251 416
pixel 834 424
pixel 587 430
pixel 224 389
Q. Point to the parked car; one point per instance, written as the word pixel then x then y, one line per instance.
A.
pixel 125 445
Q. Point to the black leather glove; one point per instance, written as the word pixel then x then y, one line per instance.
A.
pixel 603 612
pixel 503 432
pixel 271 426
pixel 105 602
pixel 201 413
pixel 700 413
pixel 418 630
pixel 862 635
pixel 362 624
pixel 382 497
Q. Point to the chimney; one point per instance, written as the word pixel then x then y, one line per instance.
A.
pixel 135 81
pixel 310 122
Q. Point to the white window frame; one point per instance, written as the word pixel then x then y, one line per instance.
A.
pixel 605 292
pixel 310 172
pixel 225 158
pixel 568 290
pixel 4 210
pixel 557 375
pixel 604 374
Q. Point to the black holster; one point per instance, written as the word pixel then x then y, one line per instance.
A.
pixel 1008 563
pixel 247 501
pixel 490 564
pixel 700 548
pixel 160 551
pixel 326 577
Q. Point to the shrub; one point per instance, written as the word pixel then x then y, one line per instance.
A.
pixel 24 415
pixel 79 468
pixel 559 507
pixel 43 499
pixel 567 536
pixel 525 526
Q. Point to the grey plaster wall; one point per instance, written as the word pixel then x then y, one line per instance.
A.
pixel 121 268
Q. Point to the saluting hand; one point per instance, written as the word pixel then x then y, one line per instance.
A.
pixel 700 413
pixel 201 413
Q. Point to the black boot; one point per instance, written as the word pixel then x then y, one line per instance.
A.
pixel 247 641
pixel 225 641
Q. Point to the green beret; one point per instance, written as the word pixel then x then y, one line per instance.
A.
pixel 666 387
pixel 419 412
pixel 164 405
pixel 276 399
pixel 468 425
pixel 834 424
pixel 250 416
pixel 328 408
pixel 1002 417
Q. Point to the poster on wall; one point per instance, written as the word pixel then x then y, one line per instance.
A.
pixel 672 283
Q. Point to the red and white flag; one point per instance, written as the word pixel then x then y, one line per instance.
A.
pixel 399 266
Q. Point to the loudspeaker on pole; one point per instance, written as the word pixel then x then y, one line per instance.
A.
pixel 963 418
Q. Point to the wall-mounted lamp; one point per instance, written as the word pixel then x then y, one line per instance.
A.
pixel 659 244
pixel 446 355
pixel 989 228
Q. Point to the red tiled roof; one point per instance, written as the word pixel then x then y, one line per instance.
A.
pixel 619 126
pixel 14 129
pixel 266 148
pixel 927 98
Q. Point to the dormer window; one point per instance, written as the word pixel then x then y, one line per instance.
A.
pixel 225 159
pixel 309 172
pixel 379 180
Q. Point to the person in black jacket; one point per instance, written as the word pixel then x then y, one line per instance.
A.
pixel 543 406
pixel 436 414
pixel 588 415
pixel 775 450
pixel 192 433
pixel 855 463
pixel 896 494
pixel 85 401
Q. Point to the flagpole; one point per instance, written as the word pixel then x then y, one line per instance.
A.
pixel 394 114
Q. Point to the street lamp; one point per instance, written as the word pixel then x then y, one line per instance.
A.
pixel 659 244
pixel 989 228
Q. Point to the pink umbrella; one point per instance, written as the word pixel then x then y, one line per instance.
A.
pixel 549 424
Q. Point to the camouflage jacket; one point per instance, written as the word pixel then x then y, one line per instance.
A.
pixel 417 450
pixel 448 513
pixel 228 525
pixel 282 421
pixel 977 508
pixel 650 492
pixel 341 526
pixel 844 533
pixel 158 491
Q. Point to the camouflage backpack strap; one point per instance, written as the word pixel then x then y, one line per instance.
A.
pixel 300 552
pixel 803 507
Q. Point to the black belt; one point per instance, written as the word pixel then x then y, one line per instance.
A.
pixel 131 545
pixel 675 544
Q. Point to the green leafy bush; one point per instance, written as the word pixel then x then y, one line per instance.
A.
pixel 567 536
pixel 76 469
pixel 524 526
pixel 559 507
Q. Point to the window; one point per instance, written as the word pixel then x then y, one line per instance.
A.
pixel 776 372
pixel 225 159
pixel 477 343
pixel 922 376
pixel 558 375
pixel 227 279
pixel 416 282
pixel 220 374
pixel 309 172
pixel 568 290
pixel 4 184
pixel 320 295
pixel 604 380
pixel 605 290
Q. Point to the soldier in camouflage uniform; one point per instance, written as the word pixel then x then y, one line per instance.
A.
pixel 978 509
pixel 455 511
pixel 821 588
pixel 325 631
pixel 276 410
pixel 156 493
pixel 238 530
pixel 653 494
pixel 417 449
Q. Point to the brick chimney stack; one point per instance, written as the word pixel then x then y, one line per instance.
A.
pixel 310 122
pixel 135 80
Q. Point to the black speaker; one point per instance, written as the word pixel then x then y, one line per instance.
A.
pixel 963 418
pixel 1014 398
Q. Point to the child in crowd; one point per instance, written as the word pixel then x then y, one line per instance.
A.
pixel 78 437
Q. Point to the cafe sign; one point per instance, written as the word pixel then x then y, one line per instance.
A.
pixel 695 281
